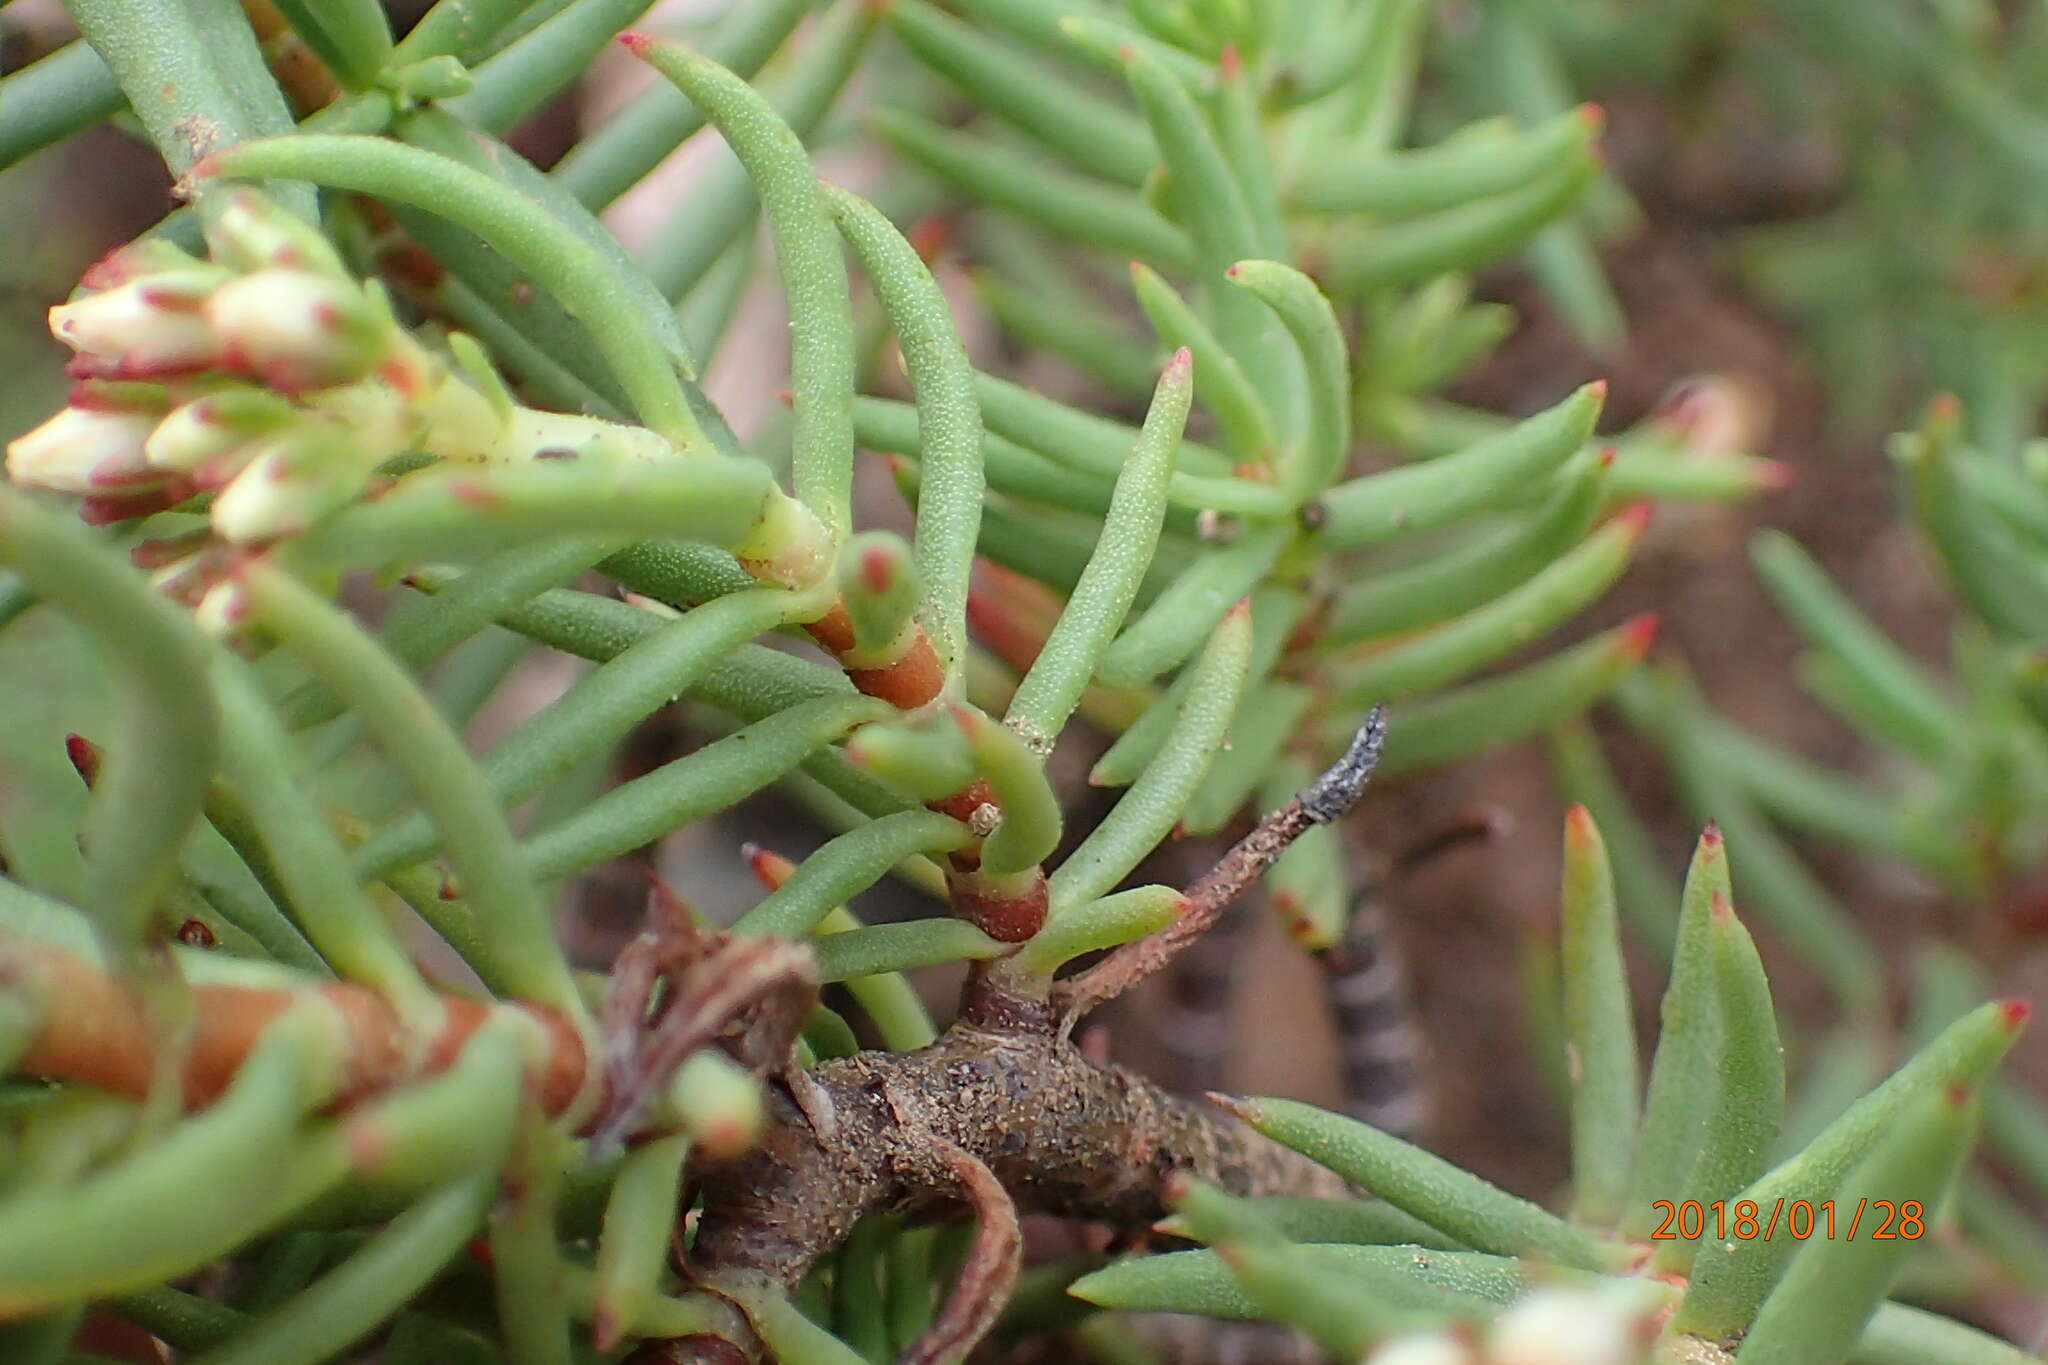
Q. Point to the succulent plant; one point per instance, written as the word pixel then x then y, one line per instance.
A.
pixel 1689 1237
pixel 301 1067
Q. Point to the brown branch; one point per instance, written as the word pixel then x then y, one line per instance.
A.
pixel 1322 801
pixel 1059 1133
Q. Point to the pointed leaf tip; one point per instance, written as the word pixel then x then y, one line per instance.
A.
pixel 2013 1014
pixel 85 757
pixel 1635 518
pixel 1638 635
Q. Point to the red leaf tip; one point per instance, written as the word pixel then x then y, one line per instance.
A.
pixel 84 756
pixel 2013 1014
pixel 877 569
pixel 1638 635
pixel 1598 388
pixel 1635 517
pixel 636 42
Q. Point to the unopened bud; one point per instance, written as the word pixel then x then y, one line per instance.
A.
pixel 717 1103
pixel 878 585
pixel 144 256
pixel 1435 1349
pixel 254 233
pixel 296 330
pixel 152 325
pixel 1570 1327
pixel 207 428
pixel 290 483
pixel 222 609
pixel 83 450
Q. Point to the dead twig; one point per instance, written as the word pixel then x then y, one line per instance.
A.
pixel 1324 800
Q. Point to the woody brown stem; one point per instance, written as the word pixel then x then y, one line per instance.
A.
pixel 1061 1135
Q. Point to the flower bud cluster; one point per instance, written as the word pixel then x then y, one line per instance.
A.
pixel 266 377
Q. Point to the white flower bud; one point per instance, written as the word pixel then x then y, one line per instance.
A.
pixel 144 256
pixel 289 484
pixel 1569 1327
pixel 208 428
pixel 253 233
pixel 152 325
pixel 222 609
pixel 84 450
pixel 1434 1349
pixel 294 330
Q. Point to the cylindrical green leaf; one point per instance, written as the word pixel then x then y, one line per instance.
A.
pixel 1915 711
pixel 1528 701
pixel 1683 1074
pixel 1473 164
pixel 1168 631
pixel 356 1297
pixel 597 712
pixel 569 267
pixel 1147 812
pixel 694 787
pixel 1109 584
pixel 1422 497
pixel 1453 650
pixel 1107 923
pixel 148 794
pixel 847 866
pixel 1731 1279
pixel 1429 1187
pixel 1736 1146
pixel 639 1221
pixel 419 743
pixel 1089 131
pixel 176 1204
pixel 1326 364
pixel 900 947
pixel 1833 1286
pixel 1439 586
pixel 813 272
pixel 948 417
pixel 1083 210
pixel 1599 1027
